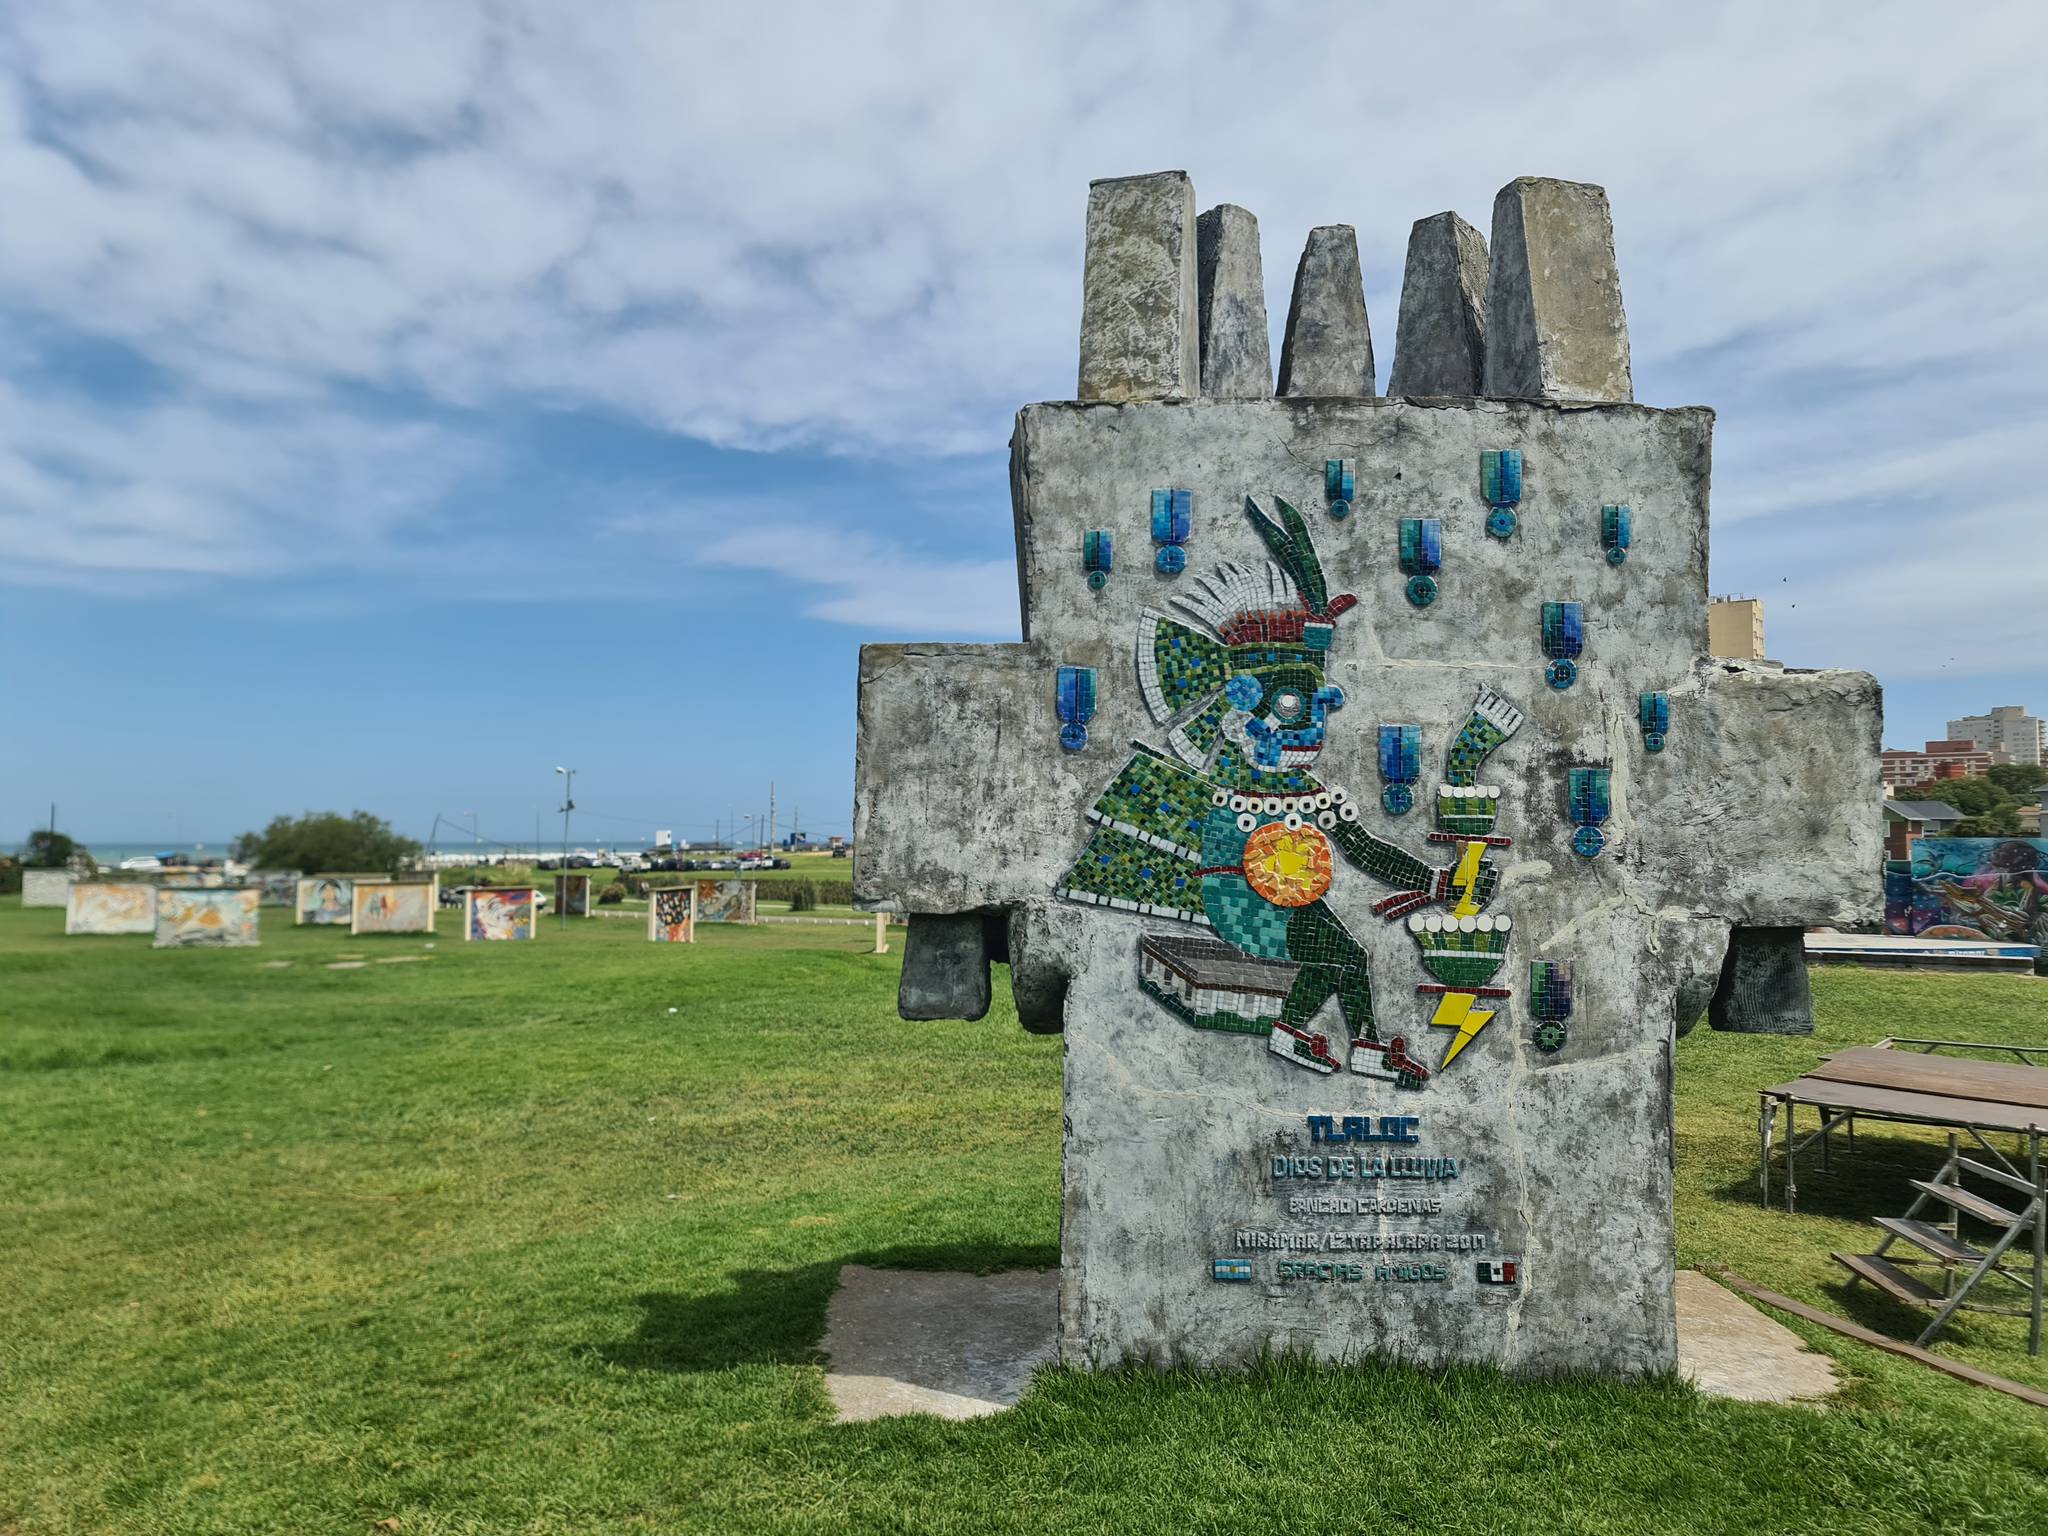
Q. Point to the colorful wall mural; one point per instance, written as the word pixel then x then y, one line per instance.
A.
pixel 572 895
pixel 502 912
pixel 111 907
pixel 324 899
pixel 280 887
pixel 386 906
pixel 725 901
pixel 208 918
pixel 671 915
pixel 1970 888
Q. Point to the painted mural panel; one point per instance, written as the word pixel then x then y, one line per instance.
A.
pixel 45 887
pixel 725 901
pixel 1970 888
pixel 572 895
pixel 389 906
pixel 498 913
pixel 280 887
pixel 324 900
pixel 111 907
pixel 218 918
pixel 672 915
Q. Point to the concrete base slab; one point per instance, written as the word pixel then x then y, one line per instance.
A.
pixel 918 1341
pixel 1730 1349
pixel 961 1346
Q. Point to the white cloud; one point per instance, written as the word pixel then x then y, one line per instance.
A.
pixel 859 228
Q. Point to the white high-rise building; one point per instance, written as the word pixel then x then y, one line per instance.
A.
pixel 2009 729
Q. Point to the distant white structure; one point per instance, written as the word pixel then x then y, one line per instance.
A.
pixel 2009 729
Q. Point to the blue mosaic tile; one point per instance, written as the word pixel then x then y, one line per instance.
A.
pixel 1074 702
pixel 1564 638
pixel 1587 802
pixel 1173 520
pixel 1653 713
pixel 1615 533
pixel 1098 556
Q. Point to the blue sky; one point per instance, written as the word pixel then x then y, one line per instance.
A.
pixel 397 401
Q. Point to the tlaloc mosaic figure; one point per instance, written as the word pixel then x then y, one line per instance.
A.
pixel 1366 844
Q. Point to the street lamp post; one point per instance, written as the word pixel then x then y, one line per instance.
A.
pixel 568 805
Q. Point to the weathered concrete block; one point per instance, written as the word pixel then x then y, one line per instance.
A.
pixel 1440 346
pixel 945 967
pixel 1237 353
pixel 1327 348
pixel 1367 1048
pixel 1140 336
pixel 1555 329
pixel 1764 987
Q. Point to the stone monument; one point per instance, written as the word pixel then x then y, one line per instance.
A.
pixel 1361 801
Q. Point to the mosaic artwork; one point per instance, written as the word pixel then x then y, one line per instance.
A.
pixel 217 918
pixel 1550 1003
pixel 1400 767
pixel 502 912
pixel 1229 831
pixel 1500 483
pixel 390 906
pixel 1422 556
pixel 1340 486
pixel 324 899
pixel 672 914
pixel 1653 714
pixel 1098 557
pixel 110 907
pixel 725 901
pixel 1074 703
pixel 1586 800
pixel 1173 520
pixel 1564 640
pixel 1992 888
pixel 1615 533
pixel 572 895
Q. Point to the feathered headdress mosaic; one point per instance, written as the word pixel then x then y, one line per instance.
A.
pixel 1272 620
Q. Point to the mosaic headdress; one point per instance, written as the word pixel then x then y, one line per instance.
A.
pixel 1271 623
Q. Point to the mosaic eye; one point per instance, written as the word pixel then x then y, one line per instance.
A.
pixel 1246 822
pixel 1287 704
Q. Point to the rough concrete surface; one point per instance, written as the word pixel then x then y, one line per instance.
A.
pixel 1237 353
pixel 1327 347
pixel 918 1341
pixel 1764 988
pixel 1555 328
pixel 1440 343
pixel 1139 331
pixel 1730 1349
pixel 945 967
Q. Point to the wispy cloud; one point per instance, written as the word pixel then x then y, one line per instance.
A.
pixel 870 245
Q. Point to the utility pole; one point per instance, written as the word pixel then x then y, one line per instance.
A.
pixel 771 815
pixel 568 805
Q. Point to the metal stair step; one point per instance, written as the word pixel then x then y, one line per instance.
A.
pixel 1995 1175
pixel 1943 1245
pixel 1968 1203
pixel 1889 1278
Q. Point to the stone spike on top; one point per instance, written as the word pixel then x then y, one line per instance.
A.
pixel 1555 329
pixel 1440 345
pixel 1237 353
pixel 1139 335
pixel 1328 346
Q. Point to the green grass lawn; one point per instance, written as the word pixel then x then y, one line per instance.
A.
pixel 496 1242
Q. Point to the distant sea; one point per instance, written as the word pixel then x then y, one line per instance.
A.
pixel 114 853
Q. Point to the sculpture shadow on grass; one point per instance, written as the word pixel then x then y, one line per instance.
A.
pixel 777 1317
